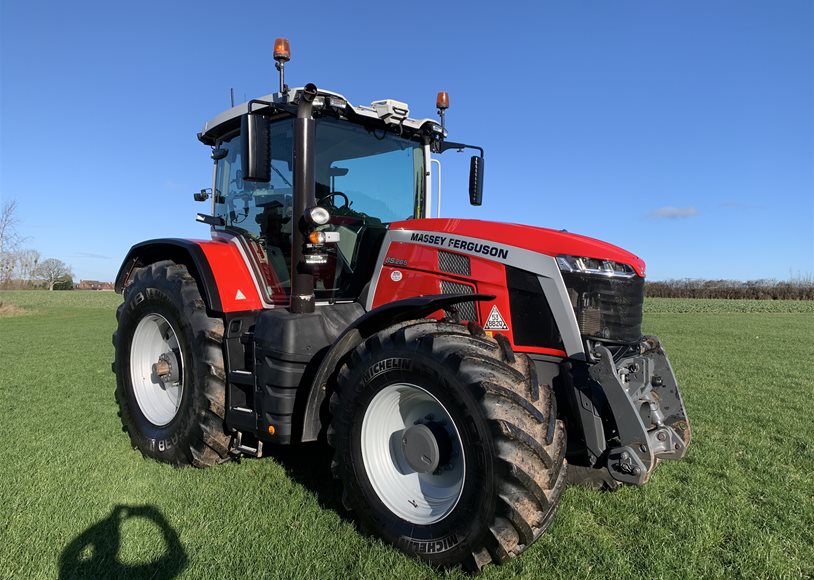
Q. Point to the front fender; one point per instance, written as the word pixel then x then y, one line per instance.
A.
pixel 364 327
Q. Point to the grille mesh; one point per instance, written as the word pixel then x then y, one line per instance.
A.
pixel 453 263
pixel 466 310
pixel 609 308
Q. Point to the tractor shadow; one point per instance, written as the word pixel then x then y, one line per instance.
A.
pixel 309 464
pixel 95 552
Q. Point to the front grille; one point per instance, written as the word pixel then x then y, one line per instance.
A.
pixel 605 307
pixel 453 263
pixel 466 310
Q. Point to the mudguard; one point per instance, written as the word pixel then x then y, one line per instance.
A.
pixel 220 269
pixel 364 327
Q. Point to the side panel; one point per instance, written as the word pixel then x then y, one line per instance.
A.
pixel 236 286
pixel 410 264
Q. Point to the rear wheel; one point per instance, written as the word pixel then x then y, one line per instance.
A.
pixel 169 369
pixel 446 445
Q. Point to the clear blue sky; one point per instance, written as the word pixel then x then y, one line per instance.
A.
pixel 682 131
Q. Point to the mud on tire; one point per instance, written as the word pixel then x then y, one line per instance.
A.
pixel 513 468
pixel 194 435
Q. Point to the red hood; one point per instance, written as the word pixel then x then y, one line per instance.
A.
pixel 541 240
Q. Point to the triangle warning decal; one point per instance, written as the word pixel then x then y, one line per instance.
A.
pixel 495 321
pixel 240 295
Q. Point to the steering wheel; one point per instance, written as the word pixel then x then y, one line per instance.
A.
pixel 330 196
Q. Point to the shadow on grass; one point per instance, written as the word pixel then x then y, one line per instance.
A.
pixel 95 552
pixel 309 464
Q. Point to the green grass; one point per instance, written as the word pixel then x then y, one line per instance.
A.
pixel 740 504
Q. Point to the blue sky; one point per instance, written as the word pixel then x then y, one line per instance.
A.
pixel 682 131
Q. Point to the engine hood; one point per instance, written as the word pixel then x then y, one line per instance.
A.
pixel 541 240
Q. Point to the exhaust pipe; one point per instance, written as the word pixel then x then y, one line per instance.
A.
pixel 302 282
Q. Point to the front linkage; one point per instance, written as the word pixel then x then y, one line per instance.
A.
pixel 631 413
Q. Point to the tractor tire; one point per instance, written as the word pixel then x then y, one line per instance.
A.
pixel 175 417
pixel 446 445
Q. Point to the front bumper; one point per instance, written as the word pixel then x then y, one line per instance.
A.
pixel 647 408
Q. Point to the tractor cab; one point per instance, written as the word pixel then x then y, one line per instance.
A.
pixel 370 168
pixel 367 175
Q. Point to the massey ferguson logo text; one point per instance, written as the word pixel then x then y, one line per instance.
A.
pixel 467 246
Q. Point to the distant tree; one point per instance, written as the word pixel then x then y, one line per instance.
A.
pixel 50 271
pixel 64 283
pixel 9 240
pixel 27 260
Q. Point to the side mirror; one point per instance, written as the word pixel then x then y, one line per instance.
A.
pixel 476 180
pixel 255 137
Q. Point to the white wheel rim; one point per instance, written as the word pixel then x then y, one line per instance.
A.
pixel 419 498
pixel 158 400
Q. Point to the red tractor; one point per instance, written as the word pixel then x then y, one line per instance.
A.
pixel 463 371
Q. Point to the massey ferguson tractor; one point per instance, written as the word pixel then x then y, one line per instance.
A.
pixel 463 371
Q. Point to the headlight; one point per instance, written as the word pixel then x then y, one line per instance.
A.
pixel 318 215
pixel 594 266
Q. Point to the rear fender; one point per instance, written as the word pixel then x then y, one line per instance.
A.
pixel 363 328
pixel 219 267
pixel 180 251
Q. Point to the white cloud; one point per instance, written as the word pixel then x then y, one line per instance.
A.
pixel 670 212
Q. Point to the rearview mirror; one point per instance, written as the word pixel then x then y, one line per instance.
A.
pixel 476 180
pixel 255 137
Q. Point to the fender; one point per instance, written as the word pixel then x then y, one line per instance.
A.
pixel 364 327
pixel 218 266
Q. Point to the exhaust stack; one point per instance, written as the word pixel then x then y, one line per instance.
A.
pixel 302 282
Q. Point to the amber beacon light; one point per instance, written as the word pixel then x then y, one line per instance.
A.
pixel 282 54
pixel 442 103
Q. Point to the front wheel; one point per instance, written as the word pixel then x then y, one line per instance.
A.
pixel 446 445
pixel 170 380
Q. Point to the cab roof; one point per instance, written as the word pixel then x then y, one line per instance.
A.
pixel 387 112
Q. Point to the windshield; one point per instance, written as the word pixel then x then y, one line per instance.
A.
pixel 367 178
pixel 381 174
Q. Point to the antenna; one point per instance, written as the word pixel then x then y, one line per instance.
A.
pixel 232 95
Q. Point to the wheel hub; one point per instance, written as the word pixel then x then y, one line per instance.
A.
pixel 166 369
pixel 426 447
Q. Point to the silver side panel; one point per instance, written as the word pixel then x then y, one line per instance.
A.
pixel 545 267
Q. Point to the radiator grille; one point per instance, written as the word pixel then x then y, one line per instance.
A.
pixel 609 308
pixel 453 263
pixel 466 310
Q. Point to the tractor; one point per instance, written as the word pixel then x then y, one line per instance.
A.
pixel 463 371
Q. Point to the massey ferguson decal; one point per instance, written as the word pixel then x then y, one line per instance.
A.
pixel 460 244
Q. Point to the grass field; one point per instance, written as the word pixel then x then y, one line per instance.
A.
pixel 76 500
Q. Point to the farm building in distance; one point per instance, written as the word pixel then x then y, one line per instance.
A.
pixel 94 285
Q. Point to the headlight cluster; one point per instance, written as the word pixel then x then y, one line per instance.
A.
pixel 593 266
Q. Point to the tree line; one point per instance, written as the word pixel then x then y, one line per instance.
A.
pixel 22 267
pixel 799 288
